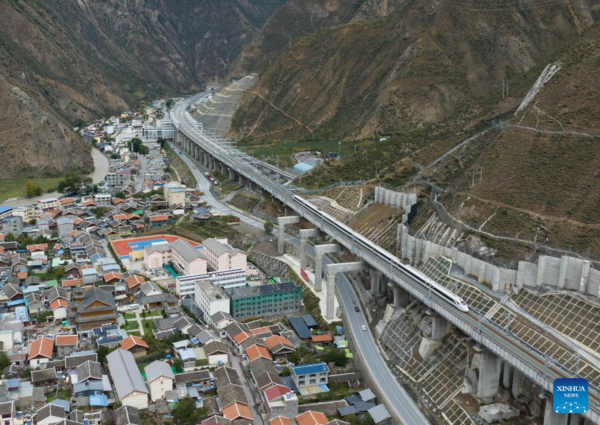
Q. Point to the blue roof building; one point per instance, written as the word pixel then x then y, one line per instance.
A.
pixel 310 322
pixel 311 374
pixel 303 167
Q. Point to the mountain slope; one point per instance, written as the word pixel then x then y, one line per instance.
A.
pixel 78 60
pixel 427 62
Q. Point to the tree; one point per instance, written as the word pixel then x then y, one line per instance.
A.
pixel 30 186
pixel 333 355
pixel 103 351
pixel 71 183
pixel 9 238
pixel 301 352
pixel 4 361
pixel 38 191
pixel 143 150
pixel 186 413
pixel 268 227
pixel 178 364
pixel 162 142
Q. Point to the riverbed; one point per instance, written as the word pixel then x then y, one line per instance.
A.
pixel 101 167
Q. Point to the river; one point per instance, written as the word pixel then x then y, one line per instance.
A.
pixel 101 167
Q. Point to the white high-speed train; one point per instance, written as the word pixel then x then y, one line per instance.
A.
pixel 417 275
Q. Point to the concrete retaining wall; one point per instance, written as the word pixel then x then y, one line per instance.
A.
pixel 396 199
pixel 565 273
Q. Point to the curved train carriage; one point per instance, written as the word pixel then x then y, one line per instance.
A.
pixel 417 275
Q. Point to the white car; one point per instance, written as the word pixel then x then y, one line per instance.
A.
pixel 364 328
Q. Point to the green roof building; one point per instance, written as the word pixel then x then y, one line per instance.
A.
pixel 267 300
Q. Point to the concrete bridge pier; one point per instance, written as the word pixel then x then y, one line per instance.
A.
pixel 231 174
pixel 330 271
pixel 488 383
pixel 242 181
pixel 553 418
pixel 304 235
pixel 205 159
pixel 401 297
pixel 506 375
pixel 211 163
pixel 281 223
pixel 321 250
pixel 376 281
pixel 223 168
pixel 440 327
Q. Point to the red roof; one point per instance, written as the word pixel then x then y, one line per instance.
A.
pixel 257 351
pixel 70 283
pixel 131 341
pixel 37 247
pixel 58 303
pixel 262 330
pixel 241 337
pixel 22 275
pixel 322 338
pixel 276 391
pixel 41 347
pixel 237 411
pixel 280 420
pixel 274 340
pixel 135 280
pixel 159 218
pixel 312 418
pixel 120 217
pixel 66 340
pixel 112 276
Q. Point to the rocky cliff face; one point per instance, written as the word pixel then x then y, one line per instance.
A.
pixel 70 61
pixel 385 66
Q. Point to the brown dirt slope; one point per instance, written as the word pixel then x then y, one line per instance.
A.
pixel 427 62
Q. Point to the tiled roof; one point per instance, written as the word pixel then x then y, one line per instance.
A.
pixel 112 275
pixel 66 340
pixel 312 418
pixel 157 369
pixel 134 281
pixel 241 337
pixel 276 391
pixel 41 347
pixel 257 351
pixel 69 283
pixel 280 420
pixel 322 338
pixel 58 303
pixel 131 341
pixel 237 411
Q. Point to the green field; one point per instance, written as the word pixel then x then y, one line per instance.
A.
pixel 14 188
pixel 269 151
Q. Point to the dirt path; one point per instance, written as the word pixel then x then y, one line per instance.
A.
pixel 533 213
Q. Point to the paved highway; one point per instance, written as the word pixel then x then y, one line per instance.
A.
pixel 400 403
pixel 534 364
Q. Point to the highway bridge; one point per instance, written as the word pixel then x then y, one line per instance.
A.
pixel 497 341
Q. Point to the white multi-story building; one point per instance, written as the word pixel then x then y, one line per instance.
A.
pixel 210 299
pixel 175 193
pixel 48 203
pixel 103 200
pixel 185 285
pixel 222 256
pixel 163 129
pixel 160 379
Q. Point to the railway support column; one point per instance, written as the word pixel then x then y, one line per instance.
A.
pixel 506 375
pixel 376 281
pixel 330 271
pixel 440 327
pixel 321 250
pixel 401 297
pixel 231 174
pixel 205 159
pixel 489 375
pixel 281 223
pixel 553 418
pixel 304 235
pixel 223 168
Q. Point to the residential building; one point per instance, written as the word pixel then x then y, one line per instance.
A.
pixel 222 256
pixel 128 382
pixel 175 194
pixel 12 225
pixel 311 374
pixel 26 213
pixel 97 308
pixel 65 345
pixel 50 414
pixel 41 351
pixel 5 212
pixel 160 379
pixel 311 417
pixel 279 347
pixel 279 400
pixel 220 321
pixel 119 179
pixel 210 299
pixel 103 200
pixel 135 345
pixel 48 203
pixel 186 259
pixel 266 300
pixel 225 279
pixel 127 415
pixel 157 255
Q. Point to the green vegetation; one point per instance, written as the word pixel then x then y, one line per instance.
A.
pixel 185 174
pixel 268 226
pixel 215 227
pixel 73 183
pixel 186 412
pixel 132 325
pixel 129 315
pixel 4 361
pixel 32 190
pixel 17 188
pixel 244 201
pixel 136 145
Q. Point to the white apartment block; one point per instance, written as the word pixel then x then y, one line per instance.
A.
pixel 186 285
pixel 210 299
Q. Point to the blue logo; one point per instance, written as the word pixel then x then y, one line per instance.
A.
pixel 570 395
